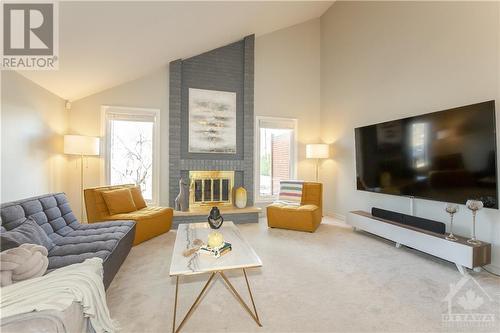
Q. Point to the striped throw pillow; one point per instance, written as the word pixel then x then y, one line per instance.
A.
pixel 291 191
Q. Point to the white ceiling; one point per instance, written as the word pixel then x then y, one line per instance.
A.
pixel 103 44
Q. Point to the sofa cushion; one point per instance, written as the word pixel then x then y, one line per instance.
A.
pixel 28 232
pixel 304 208
pixel 7 242
pixel 51 212
pixel 95 205
pixel 312 194
pixel 151 222
pixel 119 201
pixel 141 214
pixel 307 208
pixel 87 241
pixel 137 197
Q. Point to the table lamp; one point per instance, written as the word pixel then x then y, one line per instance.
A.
pixel 317 151
pixel 83 146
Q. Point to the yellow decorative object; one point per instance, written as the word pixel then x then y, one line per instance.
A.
pixel 241 197
pixel 215 239
pixel 119 201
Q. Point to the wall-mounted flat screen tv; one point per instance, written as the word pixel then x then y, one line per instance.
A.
pixel 448 156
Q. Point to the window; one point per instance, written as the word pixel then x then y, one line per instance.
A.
pixel 275 155
pixel 419 145
pixel 131 137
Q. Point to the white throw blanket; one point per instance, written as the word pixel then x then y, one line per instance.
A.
pixel 57 290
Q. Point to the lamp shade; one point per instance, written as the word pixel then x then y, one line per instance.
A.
pixel 81 145
pixel 317 150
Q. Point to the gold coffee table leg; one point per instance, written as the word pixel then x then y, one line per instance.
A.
pixel 253 314
pixel 174 330
pixel 251 296
pixel 175 302
pixel 242 302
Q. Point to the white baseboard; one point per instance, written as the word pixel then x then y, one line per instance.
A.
pixel 493 268
pixel 337 216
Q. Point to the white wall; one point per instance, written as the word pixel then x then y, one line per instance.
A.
pixel 387 60
pixel 33 121
pixel 287 83
pixel 150 91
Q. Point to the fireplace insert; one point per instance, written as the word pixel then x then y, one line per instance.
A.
pixel 211 188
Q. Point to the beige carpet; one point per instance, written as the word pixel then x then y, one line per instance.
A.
pixel 334 280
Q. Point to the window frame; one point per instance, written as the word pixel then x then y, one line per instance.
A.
pixel 130 113
pixel 290 122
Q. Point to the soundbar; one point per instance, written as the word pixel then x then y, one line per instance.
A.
pixel 417 222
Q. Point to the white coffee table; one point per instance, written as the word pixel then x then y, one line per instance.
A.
pixel 241 257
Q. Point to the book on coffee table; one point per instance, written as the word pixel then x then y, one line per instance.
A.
pixel 216 252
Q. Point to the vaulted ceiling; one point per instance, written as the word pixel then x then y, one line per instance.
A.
pixel 103 44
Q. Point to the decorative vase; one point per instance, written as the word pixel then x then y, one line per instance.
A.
pixel 240 198
pixel 215 220
pixel 474 206
pixel 451 209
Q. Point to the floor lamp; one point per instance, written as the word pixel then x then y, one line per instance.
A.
pixel 83 146
pixel 317 151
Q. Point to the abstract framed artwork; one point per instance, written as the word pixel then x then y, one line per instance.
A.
pixel 212 121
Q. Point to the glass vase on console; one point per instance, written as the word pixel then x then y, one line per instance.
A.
pixel 474 206
pixel 451 209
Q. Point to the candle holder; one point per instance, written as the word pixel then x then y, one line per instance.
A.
pixel 474 206
pixel 451 209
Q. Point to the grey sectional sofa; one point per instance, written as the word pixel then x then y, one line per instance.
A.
pixel 73 242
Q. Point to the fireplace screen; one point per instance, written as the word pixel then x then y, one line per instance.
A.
pixel 211 188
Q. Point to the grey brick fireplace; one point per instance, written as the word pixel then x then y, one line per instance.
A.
pixel 229 68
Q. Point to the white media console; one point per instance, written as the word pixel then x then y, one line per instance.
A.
pixel 459 252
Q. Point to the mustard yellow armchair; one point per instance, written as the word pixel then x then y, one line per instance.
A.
pixel 306 217
pixel 150 221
